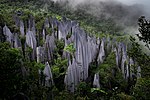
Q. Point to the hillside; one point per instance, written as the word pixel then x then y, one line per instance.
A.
pixel 49 50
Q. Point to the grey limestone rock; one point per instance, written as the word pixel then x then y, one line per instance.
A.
pixel 40 51
pixel 50 46
pixel 124 63
pixel 31 39
pixel 96 83
pixel 48 75
pixel 22 28
pixel 8 34
pixel 138 72
pixel 101 52
pixel 17 42
pixel 46 24
pixel 31 42
pixel 72 77
pixel 87 49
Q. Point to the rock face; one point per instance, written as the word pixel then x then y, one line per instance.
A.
pixel 31 42
pixel 124 64
pixel 101 53
pixel 48 75
pixel 17 42
pixel 40 54
pixel 87 50
pixel 22 28
pixel 139 72
pixel 11 37
pixel 50 46
pixel 31 39
pixel 72 77
pixel 8 34
pixel 96 81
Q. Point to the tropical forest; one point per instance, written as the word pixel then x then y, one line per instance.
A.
pixel 74 50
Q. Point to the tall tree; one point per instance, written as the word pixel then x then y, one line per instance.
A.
pixel 10 71
pixel 144 29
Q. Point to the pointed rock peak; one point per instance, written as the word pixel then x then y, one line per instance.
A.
pixel 7 32
pixel 138 72
pixel 96 83
pixel 49 78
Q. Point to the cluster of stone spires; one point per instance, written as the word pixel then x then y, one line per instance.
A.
pixel 87 49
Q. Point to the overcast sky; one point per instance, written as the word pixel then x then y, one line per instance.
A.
pixel 145 3
pixel 128 2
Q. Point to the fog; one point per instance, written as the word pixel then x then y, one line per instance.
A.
pixel 128 2
pixel 123 12
pixel 145 4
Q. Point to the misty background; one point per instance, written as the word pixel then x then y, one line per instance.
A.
pixel 113 8
pixel 123 12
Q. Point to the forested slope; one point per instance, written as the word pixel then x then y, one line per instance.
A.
pixel 50 52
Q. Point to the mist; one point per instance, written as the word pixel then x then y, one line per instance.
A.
pixel 144 5
pixel 124 12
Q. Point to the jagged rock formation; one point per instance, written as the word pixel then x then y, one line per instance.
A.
pixel 138 72
pixel 87 49
pixel 101 54
pixel 72 77
pixel 8 34
pixel 96 81
pixel 40 54
pixel 48 75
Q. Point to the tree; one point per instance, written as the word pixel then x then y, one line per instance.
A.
pixel 144 29
pixel 142 86
pixel 10 71
pixel 141 89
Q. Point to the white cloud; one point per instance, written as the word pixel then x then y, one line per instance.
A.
pixel 145 4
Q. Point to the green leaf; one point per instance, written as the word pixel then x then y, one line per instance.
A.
pixel 99 90
pixel 70 48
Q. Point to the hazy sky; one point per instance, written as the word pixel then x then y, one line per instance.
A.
pixel 124 1
pixel 145 3
pixel 129 2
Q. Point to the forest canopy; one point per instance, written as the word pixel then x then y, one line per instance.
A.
pixel 49 50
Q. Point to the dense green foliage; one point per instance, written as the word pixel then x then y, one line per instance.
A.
pixel 20 75
pixel 142 87
pixel 90 23
pixel 144 29
pixel 10 69
pixel 138 55
pixel 140 91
